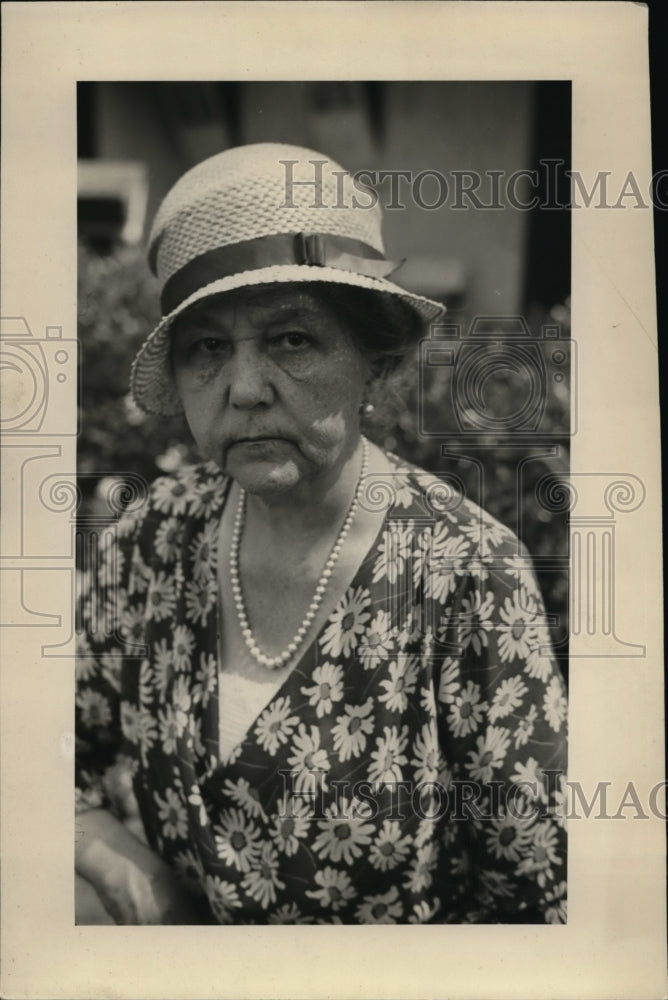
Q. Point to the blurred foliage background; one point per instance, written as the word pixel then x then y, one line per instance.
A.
pixel 517 482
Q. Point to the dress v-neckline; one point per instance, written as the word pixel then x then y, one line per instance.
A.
pixel 305 664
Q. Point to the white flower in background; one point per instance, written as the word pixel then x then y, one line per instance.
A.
pixel 134 415
pixel 173 459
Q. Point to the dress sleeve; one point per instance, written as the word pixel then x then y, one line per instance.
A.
pixel 108 573
pixel 502 709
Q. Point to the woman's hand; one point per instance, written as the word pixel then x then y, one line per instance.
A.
pixel 133 884
pixel 88 908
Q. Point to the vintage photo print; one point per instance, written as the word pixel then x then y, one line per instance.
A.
pixel 429 707
pixel 329 561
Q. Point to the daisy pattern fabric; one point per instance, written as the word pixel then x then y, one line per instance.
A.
pixel 410 769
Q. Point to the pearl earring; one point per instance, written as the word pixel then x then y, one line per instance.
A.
pixel 367 408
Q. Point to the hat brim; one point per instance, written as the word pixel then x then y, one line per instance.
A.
pixel 151 379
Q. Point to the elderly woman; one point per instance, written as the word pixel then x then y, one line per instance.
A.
pixel 327 676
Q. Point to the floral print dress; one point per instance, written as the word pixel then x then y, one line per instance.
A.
pixel 410 769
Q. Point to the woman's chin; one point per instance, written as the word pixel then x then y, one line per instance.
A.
pixel 265 478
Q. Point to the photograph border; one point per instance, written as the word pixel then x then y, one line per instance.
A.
pixel 614 942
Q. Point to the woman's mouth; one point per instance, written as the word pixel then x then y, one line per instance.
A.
pixel 259 441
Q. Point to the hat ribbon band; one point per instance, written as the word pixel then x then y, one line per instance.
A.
pixel 313 249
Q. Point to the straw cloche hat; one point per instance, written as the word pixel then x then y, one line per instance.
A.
pixel 257 215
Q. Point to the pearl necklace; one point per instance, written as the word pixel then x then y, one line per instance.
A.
pixel 273 662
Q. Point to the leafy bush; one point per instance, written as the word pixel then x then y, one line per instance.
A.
pixel 118 307
pixel 518 483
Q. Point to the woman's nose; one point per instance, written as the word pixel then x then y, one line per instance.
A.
pixel 249 383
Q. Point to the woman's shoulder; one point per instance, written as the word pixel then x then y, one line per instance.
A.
pixel 189 481
pixel 189 492
pixel 438 498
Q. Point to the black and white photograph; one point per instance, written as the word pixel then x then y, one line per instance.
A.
pixel 331 502
pixel 317 681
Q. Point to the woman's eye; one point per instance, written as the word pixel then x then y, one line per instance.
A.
pixel 292 340
pixel 208 345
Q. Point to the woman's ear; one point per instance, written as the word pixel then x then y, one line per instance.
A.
pixel 383 368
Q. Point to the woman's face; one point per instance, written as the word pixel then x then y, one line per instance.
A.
pixel 271 383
